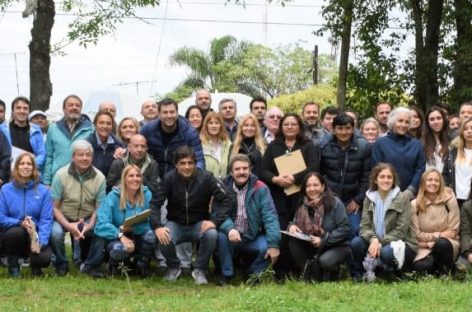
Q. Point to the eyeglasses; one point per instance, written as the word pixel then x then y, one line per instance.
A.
pixel 274 117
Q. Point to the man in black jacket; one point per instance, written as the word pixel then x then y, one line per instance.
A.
pixel 5 154
pixel 188 191
pixel 345 166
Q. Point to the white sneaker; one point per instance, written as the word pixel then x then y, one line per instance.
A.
pixel 199 276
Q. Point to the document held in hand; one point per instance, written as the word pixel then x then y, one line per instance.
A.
pixel 290 163
pixel 138 218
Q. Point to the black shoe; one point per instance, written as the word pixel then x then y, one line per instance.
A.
pixel 142 269
pixel 14 271
pixel 62 270
pixel 91 271
pixel 36 272
pixel 224 280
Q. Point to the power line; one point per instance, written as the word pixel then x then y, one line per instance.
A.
pixel 158 49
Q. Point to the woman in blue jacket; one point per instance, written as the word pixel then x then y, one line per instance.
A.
pixel 25 202
pixel 104 142
pixel 122 243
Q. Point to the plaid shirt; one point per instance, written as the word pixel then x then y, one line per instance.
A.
pixel 241 216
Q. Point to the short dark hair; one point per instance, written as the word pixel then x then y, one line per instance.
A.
pixel 73 96
pixel 343 119
pixel 190 108
pixel 329 110
pixel 182 152
pixel 18 99
pixel 2 104
pixel 257 99
pixel 466 103
pixel 310 103
pixel 165 102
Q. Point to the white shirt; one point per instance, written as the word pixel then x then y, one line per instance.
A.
pixel 463 173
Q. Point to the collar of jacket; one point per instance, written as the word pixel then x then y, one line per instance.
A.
pixel 371 196
pixel 89 174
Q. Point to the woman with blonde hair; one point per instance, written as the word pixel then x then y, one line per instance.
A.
pixel 122 242
pixel 435 223
pixel 215 144
pixel 26 215
pixel 127 127
pixel 457 171
pixel 249 141
pixel 370 130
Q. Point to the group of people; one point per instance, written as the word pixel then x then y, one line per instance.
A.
pixel 388 196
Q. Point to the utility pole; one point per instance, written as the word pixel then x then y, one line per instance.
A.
pixel 315 65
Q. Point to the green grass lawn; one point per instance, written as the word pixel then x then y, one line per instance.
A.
pixel 82 293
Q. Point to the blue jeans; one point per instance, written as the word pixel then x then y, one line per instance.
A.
pixel 144 247
pixel 189 233
pixel 354 222
pixel 359 249
pixel 256 247
pixel 58 246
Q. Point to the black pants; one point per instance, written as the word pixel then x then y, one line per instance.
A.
pixel 15 244
pixel 329 260
pixel 439 260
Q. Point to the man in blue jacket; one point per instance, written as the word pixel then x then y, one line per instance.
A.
pixel 74 126
pixel 253 225
pixel 22 134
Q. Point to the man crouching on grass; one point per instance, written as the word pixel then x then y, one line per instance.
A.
pixel 253 226
pixel 188 191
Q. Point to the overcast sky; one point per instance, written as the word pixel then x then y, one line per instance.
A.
pixel 130 54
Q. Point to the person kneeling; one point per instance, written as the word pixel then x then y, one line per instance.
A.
pixel 323 218
pixel 25 218
pixel 121 242
pixel 242 232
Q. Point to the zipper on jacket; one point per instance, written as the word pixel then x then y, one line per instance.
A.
pixel 81 197
pixel 24 203
pixel 186 203
pixel 165 161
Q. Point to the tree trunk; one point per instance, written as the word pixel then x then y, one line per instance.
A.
pixel 463 55
pixel 40 59
pixel 345 47
pixel 426 67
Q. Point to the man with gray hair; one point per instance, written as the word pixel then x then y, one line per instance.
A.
pixel 272 120
pixel 77 190
pixel 227 108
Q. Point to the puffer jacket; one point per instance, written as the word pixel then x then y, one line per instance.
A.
pixel 186 135
pixel 347 177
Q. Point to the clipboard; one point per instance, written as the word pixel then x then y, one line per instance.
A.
pixel 300 236
pixel 137 218
pixel 291 163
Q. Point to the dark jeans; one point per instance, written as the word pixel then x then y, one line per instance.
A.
pixel 359 249
pixel 227 249
pixel 439 260
pixel 329 259
pixel 15 244
pixel 144 247
pixel 58 246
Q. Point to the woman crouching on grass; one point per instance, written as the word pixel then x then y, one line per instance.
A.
pixel 136 243
pixel 25 218
pixel 322 217
pixel 435 223
pixel 386 240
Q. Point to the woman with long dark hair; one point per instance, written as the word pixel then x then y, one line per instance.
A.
pixel 323 218
pixel 436 138
pixel 290 138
